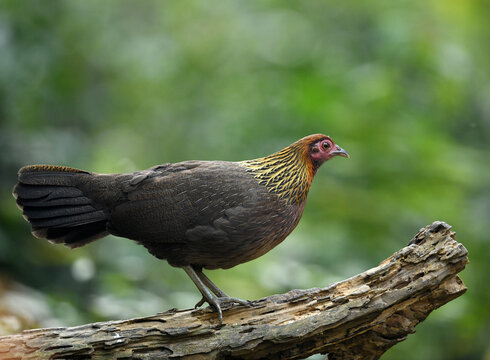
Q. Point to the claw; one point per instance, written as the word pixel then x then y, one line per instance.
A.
pixel 217 306
pixel 200 303
pixel 216 302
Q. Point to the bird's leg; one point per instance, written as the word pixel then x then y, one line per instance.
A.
pixel 204 284
pixel 207 282
pixel 219 293
pixel 208 295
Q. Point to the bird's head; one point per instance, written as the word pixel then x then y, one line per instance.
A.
pixel 290 171
pixel 319 148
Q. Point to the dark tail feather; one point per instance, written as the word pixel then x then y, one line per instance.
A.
pixel 56 209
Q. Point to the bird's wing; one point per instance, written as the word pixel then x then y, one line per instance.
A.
pixel 164 202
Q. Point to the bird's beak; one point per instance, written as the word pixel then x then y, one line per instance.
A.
pixel 340 152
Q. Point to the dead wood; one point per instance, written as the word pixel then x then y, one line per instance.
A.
pixel 358 318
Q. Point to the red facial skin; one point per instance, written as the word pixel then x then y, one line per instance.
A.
pixel 324 150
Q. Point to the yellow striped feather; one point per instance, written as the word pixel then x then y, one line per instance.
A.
pixel 287 173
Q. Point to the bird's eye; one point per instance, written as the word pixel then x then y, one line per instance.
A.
pixel 325 145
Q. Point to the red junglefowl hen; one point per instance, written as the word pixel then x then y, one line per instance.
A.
pixel 194 214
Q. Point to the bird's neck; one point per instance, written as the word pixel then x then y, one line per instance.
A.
pixel 287 173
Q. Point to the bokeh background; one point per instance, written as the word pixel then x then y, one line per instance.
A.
pixel 118 86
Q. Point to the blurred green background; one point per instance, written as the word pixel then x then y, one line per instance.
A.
pixel 118 86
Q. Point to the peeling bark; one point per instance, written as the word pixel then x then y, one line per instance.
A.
pixel 358 318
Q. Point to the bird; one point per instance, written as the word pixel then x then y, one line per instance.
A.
pixel 194 214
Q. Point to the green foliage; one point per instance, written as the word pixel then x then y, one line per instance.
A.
pixel 118 86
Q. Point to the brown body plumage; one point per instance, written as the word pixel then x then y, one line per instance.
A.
pixel 194 214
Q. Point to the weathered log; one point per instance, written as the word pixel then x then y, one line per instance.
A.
pixel 358 318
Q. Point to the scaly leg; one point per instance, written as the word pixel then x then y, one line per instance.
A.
pixel 204 284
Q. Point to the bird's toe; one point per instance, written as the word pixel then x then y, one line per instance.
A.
pixel 234 300
pixel 200 302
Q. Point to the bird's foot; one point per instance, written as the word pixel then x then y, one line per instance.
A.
pixel 218 302
pixel 211 293
pixel 225 300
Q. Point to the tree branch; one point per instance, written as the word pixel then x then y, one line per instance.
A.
pixel 358 318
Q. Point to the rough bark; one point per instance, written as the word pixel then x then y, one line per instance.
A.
pixel 358 318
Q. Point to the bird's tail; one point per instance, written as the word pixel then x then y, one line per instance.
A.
pixel 56 208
